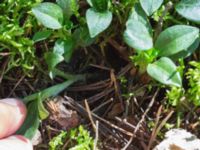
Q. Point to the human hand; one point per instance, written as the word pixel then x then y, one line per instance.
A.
pixel 12 115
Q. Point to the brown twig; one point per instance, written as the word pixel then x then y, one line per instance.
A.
pixel 121 50
pixel 82 110
pixel 100 95
pixel 116 87
pixel 90 116
pixel 16 85
pixel 154 129
pixel 102 105
pixel 142 119
pixel 3 69
pixel 160 126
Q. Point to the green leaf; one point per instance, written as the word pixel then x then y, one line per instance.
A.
pixel 189 9
pixel 150 6
pixel 186 53
pixel 165 71
pixel 69 6
pixel 31 124
pixel 175 39
pixel 57 141
pixel 52 59
pixel 97 21
pixel 137 35
pixel 100 5
pixel 138 14
pixel 43 113
pixel 53 90
pixel 82 37
pixel 59 47
pixel 41 35
pixel 138 30
pixel 49 14
pixel 69 46
pixel 64 47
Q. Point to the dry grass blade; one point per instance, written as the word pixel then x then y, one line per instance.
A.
pixel 159 128
pixel 90 116
pixel 142 119
pixel 18 82
pixel 82 110
pixel 154 129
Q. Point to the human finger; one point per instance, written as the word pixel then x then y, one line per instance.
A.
pixel 16 142
pixel 13 113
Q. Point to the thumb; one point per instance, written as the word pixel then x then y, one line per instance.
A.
pixel 12 115
pixel 16 142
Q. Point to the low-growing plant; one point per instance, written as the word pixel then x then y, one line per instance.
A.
pixel 158 33
pixel 36 110
pixel 174 95
pixel 79 139
pixel 16 26
pixel 57 141
pixel 193 76
pixel 192 93
pixel 82 138
pixel 175 42
pixel 66 34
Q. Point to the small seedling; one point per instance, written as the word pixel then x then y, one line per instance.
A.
pixel 57 141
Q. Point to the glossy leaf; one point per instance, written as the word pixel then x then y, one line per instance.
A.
pixel 69 47
pixel 189 9
pixel 137 35
pixel 68 6
pixel 52 59
pixel 42 111
pixel 82 37
pixel 41 35
pixel 165 71
pixel 175 39
pixel 186 53
pixel 97 21
pixel 31 124
pixel 138 14
pixel 150 6
pixel 138 30
pixel 100 5
pixel 49 14
pixel 59 47
pixel 64 47
pixel 53 90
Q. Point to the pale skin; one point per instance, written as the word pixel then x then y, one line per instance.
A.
pixel 12 115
